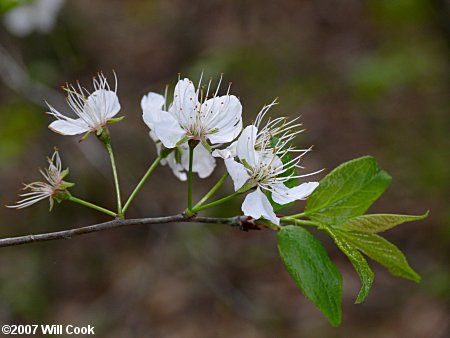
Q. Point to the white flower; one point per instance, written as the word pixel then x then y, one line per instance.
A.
pixel 38 15
pixel 54 188
pixel 260 155
pixel 218 119
pixel 94 111
pixel 178 159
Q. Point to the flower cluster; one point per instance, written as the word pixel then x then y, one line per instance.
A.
pixel 188 133
pixel 200 126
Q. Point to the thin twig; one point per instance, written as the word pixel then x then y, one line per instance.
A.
pixel 242 222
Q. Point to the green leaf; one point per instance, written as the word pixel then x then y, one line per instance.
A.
pixel 378 222
pixel 358 261
pixel 290 183
pixel 314 273
pixel 347 191
pixel 382 251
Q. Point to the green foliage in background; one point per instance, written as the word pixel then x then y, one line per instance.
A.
pixel 7 5
pixel 20 123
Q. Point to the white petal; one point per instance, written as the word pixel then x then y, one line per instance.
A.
pixel 229 152
pixel 257 205
pixel 245 148
pixel 101 106
pixel 155 139
pixel 69 126
pixel 165 127
pixel 204 163
pixel 238 173
pixel 150 117
pixel 177 168
pixel 152 101
pixel 185 102
pixel 223 115
pixel 282 194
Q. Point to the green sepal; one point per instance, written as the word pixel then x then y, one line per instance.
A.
pixel 115 120
pixel 245 164
pixel 60 195
pixel 207 146
pixel 64 173
pixel 177 155
pixel 180 142
pixel 66 185
pixel 166 151
pixel 85 136
pixel 250 184
pixel 52 204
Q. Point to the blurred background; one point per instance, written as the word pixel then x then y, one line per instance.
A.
pixel 367 77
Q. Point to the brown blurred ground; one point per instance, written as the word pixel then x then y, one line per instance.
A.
pixel 367 77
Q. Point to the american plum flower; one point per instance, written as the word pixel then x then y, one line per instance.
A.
pixel 217 120
pixel 55 188
pixel 260 158
pixel 93 110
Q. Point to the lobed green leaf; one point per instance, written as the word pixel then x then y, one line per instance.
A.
pixel 347 191
pixel 312 270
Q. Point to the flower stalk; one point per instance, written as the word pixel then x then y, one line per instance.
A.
pixel 142 181
pixel 192 145
pixel 105 137
pixel 91 205
pixel 212 191
pixel 215 203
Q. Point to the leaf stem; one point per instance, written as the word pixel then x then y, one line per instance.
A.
pixel 300 215
pixel 300 221
pixel 141 183
pixel 91 205
pixel 212 191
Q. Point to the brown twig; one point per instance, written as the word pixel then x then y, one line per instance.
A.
pixel 242 222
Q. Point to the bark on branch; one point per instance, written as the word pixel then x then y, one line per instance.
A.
pixel 242 222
